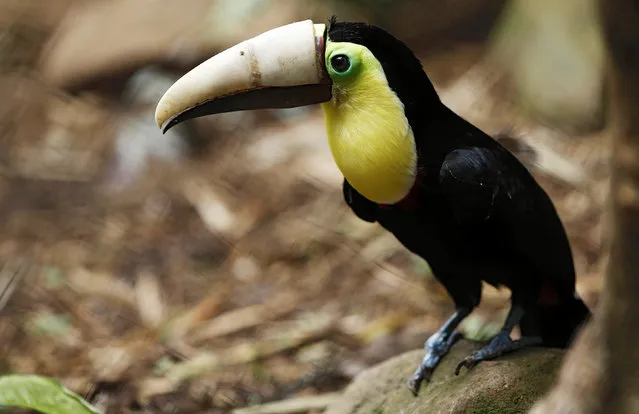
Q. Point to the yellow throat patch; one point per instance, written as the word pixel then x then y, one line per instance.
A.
pixel 368 132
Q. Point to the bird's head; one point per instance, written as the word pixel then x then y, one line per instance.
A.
pixel 372 87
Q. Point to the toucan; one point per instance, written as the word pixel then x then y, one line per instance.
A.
pixel 447 191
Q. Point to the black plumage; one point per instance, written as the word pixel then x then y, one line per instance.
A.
pixel 475 213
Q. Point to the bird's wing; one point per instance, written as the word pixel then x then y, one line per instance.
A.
pixel 474 182
pixel 361 206
pixel 488 185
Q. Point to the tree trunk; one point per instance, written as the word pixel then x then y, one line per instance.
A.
pixel 620 310
pixel 601 374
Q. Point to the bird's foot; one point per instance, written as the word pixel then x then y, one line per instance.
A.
pixel 498 346
pixel 436 347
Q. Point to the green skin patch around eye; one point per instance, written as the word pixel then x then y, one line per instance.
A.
pixel 353 69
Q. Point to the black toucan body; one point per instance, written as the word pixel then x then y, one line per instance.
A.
pixel 449 193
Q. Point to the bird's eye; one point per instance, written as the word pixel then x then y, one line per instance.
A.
pixel 340 63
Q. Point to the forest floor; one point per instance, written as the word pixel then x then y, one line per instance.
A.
pixel 236 277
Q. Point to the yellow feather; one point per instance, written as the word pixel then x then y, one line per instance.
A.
pixel 368 133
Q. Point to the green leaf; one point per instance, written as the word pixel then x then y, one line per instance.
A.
pixel 42 394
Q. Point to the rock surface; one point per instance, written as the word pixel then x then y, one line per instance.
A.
pixel 510 384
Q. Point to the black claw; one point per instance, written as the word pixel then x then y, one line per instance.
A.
pixel 468 362
pixel 434 352
pixel 498 346
pixel 422 373
pixel 436 347
pixel 413 385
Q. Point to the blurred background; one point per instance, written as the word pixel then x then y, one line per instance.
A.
pixel 217 266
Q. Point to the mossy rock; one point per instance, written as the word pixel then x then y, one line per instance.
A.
pixel 510 384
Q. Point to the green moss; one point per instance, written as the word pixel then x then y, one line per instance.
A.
pixel 535 379
pixel 511 384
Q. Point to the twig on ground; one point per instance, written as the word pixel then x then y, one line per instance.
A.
pixel 244 353
pixel 292 405
pixel 248 317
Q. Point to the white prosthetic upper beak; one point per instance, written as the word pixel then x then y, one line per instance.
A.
pixel 281 68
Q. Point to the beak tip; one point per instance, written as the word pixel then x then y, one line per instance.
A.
pixel 165 126
pixel 161 121
pixel 168 123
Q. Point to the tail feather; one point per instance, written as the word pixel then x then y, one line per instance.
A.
pixel 557 325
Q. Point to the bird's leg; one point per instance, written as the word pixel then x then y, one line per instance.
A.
pixel 502 343
pixel 436 347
